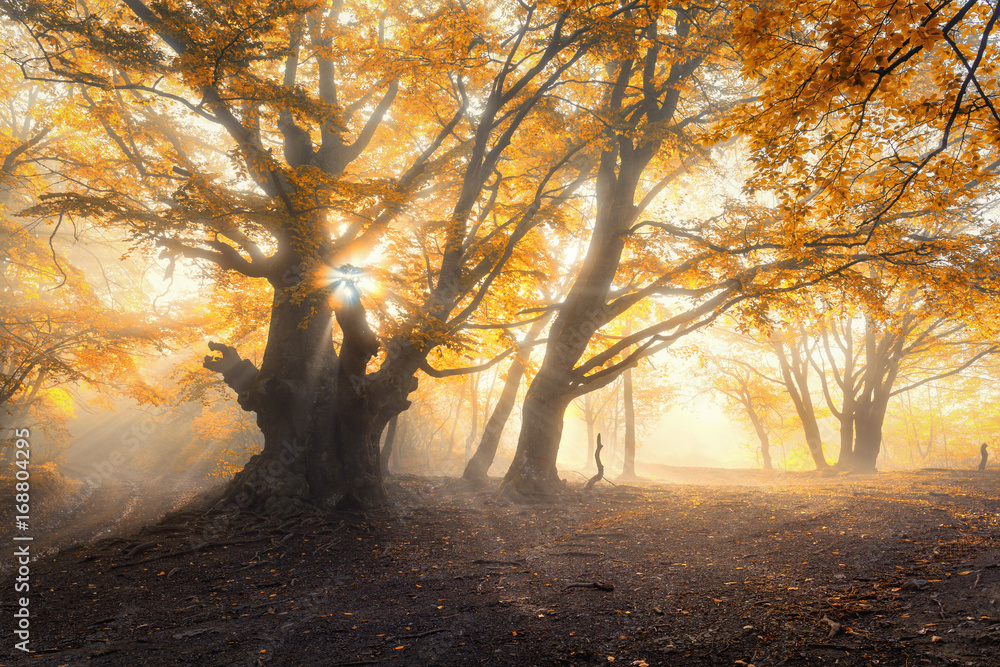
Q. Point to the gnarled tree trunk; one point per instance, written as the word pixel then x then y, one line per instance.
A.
pixel 320 416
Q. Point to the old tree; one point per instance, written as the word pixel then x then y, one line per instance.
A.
pixel 319 148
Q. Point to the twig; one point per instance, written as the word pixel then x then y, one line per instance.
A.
pixel 834 627
pixel 939 604
pixel 140 547
pixel 596 585
pixel 483 561
pixel 422 634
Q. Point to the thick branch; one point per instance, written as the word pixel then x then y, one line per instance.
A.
pixel 222 254
pixel 240 374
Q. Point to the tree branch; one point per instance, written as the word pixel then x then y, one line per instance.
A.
pixel 451 372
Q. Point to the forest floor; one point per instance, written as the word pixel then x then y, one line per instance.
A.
pixel 704 567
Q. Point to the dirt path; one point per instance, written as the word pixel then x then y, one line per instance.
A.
pixel 893 569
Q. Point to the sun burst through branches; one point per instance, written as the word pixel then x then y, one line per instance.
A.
pixel 350 282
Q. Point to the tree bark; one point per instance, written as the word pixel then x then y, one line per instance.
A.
pixel 868 432
pixel 628 468
pixel 882 355
pixel 846 456
pixel 533 470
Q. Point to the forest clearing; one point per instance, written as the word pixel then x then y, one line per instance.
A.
pixel 715 567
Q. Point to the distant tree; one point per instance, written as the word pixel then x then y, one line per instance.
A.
pixel 751 393
pixel 901 349
pixel 480 462
pixel 65 322
pixel 794 349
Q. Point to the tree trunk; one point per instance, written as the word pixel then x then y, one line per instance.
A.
pixel 586 307
pixel 814 441
pixel 762 436
pixel 869 416
pixel 796 379
pixel 399 442
pixel 387 451
pixel 846 457
pixel 882 354
pixel 628 468
pixel 868 433
pixel 533 470
pixel 846 380
pixel 479 465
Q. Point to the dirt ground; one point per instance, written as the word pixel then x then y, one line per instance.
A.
pixel 715 567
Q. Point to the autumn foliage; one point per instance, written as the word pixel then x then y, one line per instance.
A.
pixel 370 197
